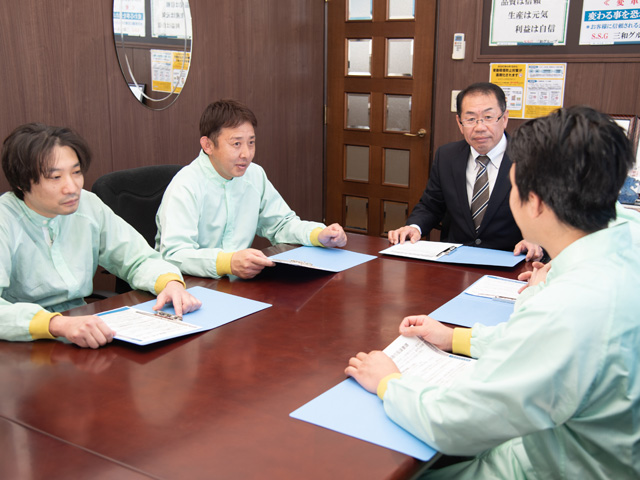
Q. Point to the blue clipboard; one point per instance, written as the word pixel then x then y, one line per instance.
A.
pixel 481 256
pixel 349 409
pixel 318 258
pixel 217 309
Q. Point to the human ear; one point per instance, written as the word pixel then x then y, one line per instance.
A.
pixel 459 124
pixel 535 205
pixel 205 143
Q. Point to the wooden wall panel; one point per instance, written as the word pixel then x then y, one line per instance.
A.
pixel 60 67
pixel 610 87
pixel 54 71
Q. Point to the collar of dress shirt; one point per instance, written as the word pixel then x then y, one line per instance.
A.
pixel 496 154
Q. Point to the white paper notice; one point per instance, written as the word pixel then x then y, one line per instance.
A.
pixel 422 249
pixel 129 18
pixel 414 356
pixel 140 326
pixel 540 22
pixel 608 22
pixel 499 288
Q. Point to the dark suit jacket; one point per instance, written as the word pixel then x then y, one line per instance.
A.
pixel 445 200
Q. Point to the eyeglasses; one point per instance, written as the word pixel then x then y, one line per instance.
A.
pixel 486 120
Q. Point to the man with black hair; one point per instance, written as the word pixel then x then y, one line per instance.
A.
pixel 215 206
pixel 468 187
pixel 555 391
pixel 53 236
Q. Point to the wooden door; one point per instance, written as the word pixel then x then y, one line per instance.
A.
pixel 380 63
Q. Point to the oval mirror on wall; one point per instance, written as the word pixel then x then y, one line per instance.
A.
pixel 153 41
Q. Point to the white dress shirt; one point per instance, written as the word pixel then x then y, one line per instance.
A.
pixel 493 166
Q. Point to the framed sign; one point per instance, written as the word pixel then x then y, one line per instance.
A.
pixel 492 49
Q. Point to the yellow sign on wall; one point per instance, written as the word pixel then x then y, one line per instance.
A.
pixel 511 76
pixel 531 89
pixel 169 70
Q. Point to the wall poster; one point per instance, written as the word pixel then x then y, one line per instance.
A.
pixel 610 22
pixel 531 89
pixel 129 18
pixel 169 70
pixel 529 22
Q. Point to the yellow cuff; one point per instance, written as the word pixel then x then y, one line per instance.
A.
pixel 315 233
pixel 223 263
pixel 382 386
pixel 165 278
pixel 461 341
pixel 39 325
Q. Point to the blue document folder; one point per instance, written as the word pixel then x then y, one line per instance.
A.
pixel 461 255
pixel 217 309
pixel 467 310
pixel 329 259
pixel 482 256
pixel 349 409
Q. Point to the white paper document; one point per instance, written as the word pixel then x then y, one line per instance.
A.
pixel 419 358
pixel 498 288
pixel 140 326
pixel 422 249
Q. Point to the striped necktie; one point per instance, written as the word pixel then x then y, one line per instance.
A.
pixel 481 192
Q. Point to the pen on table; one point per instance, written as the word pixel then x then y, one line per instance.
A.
pixel 446 251
pixel 501 298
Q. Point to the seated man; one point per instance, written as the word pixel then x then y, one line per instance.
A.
pixel 555 391
pixel 53 237
pixel 214 207
pixel 468 187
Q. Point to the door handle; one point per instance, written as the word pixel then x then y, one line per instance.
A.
pixel 421 133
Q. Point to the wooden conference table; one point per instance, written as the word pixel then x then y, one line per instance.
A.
pixel 217 404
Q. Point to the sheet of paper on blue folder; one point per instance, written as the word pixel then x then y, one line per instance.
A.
pixel 349 409
pixel 328 259
pixel 461 255
pixel 217 309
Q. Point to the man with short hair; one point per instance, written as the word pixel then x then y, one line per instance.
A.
pixel 53 236
pixel 214 207
pixel 555 391
pixel 468 187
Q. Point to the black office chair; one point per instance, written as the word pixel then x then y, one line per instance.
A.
pixel 135 195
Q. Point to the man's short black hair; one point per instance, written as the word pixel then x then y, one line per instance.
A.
pixel 224 114
pixel 484 88
pixel 27 154
pixel 576 160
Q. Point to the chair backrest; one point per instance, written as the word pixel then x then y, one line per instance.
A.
pixel 135 195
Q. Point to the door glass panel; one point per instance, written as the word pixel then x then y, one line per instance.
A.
pixel 357 163
pixel 398 113
pixel 401 10
pixel 359 56
pixel 396 167
pixel 395 215
pixel 358 110
pixel 357 213
pixel 399 57
pixel 360 10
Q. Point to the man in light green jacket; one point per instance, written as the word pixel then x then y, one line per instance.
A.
pixel 215 206
pixel 53 236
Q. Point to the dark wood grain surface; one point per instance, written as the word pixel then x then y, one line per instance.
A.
pixel 217 404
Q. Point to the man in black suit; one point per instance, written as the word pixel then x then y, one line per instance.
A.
pixel 471 214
